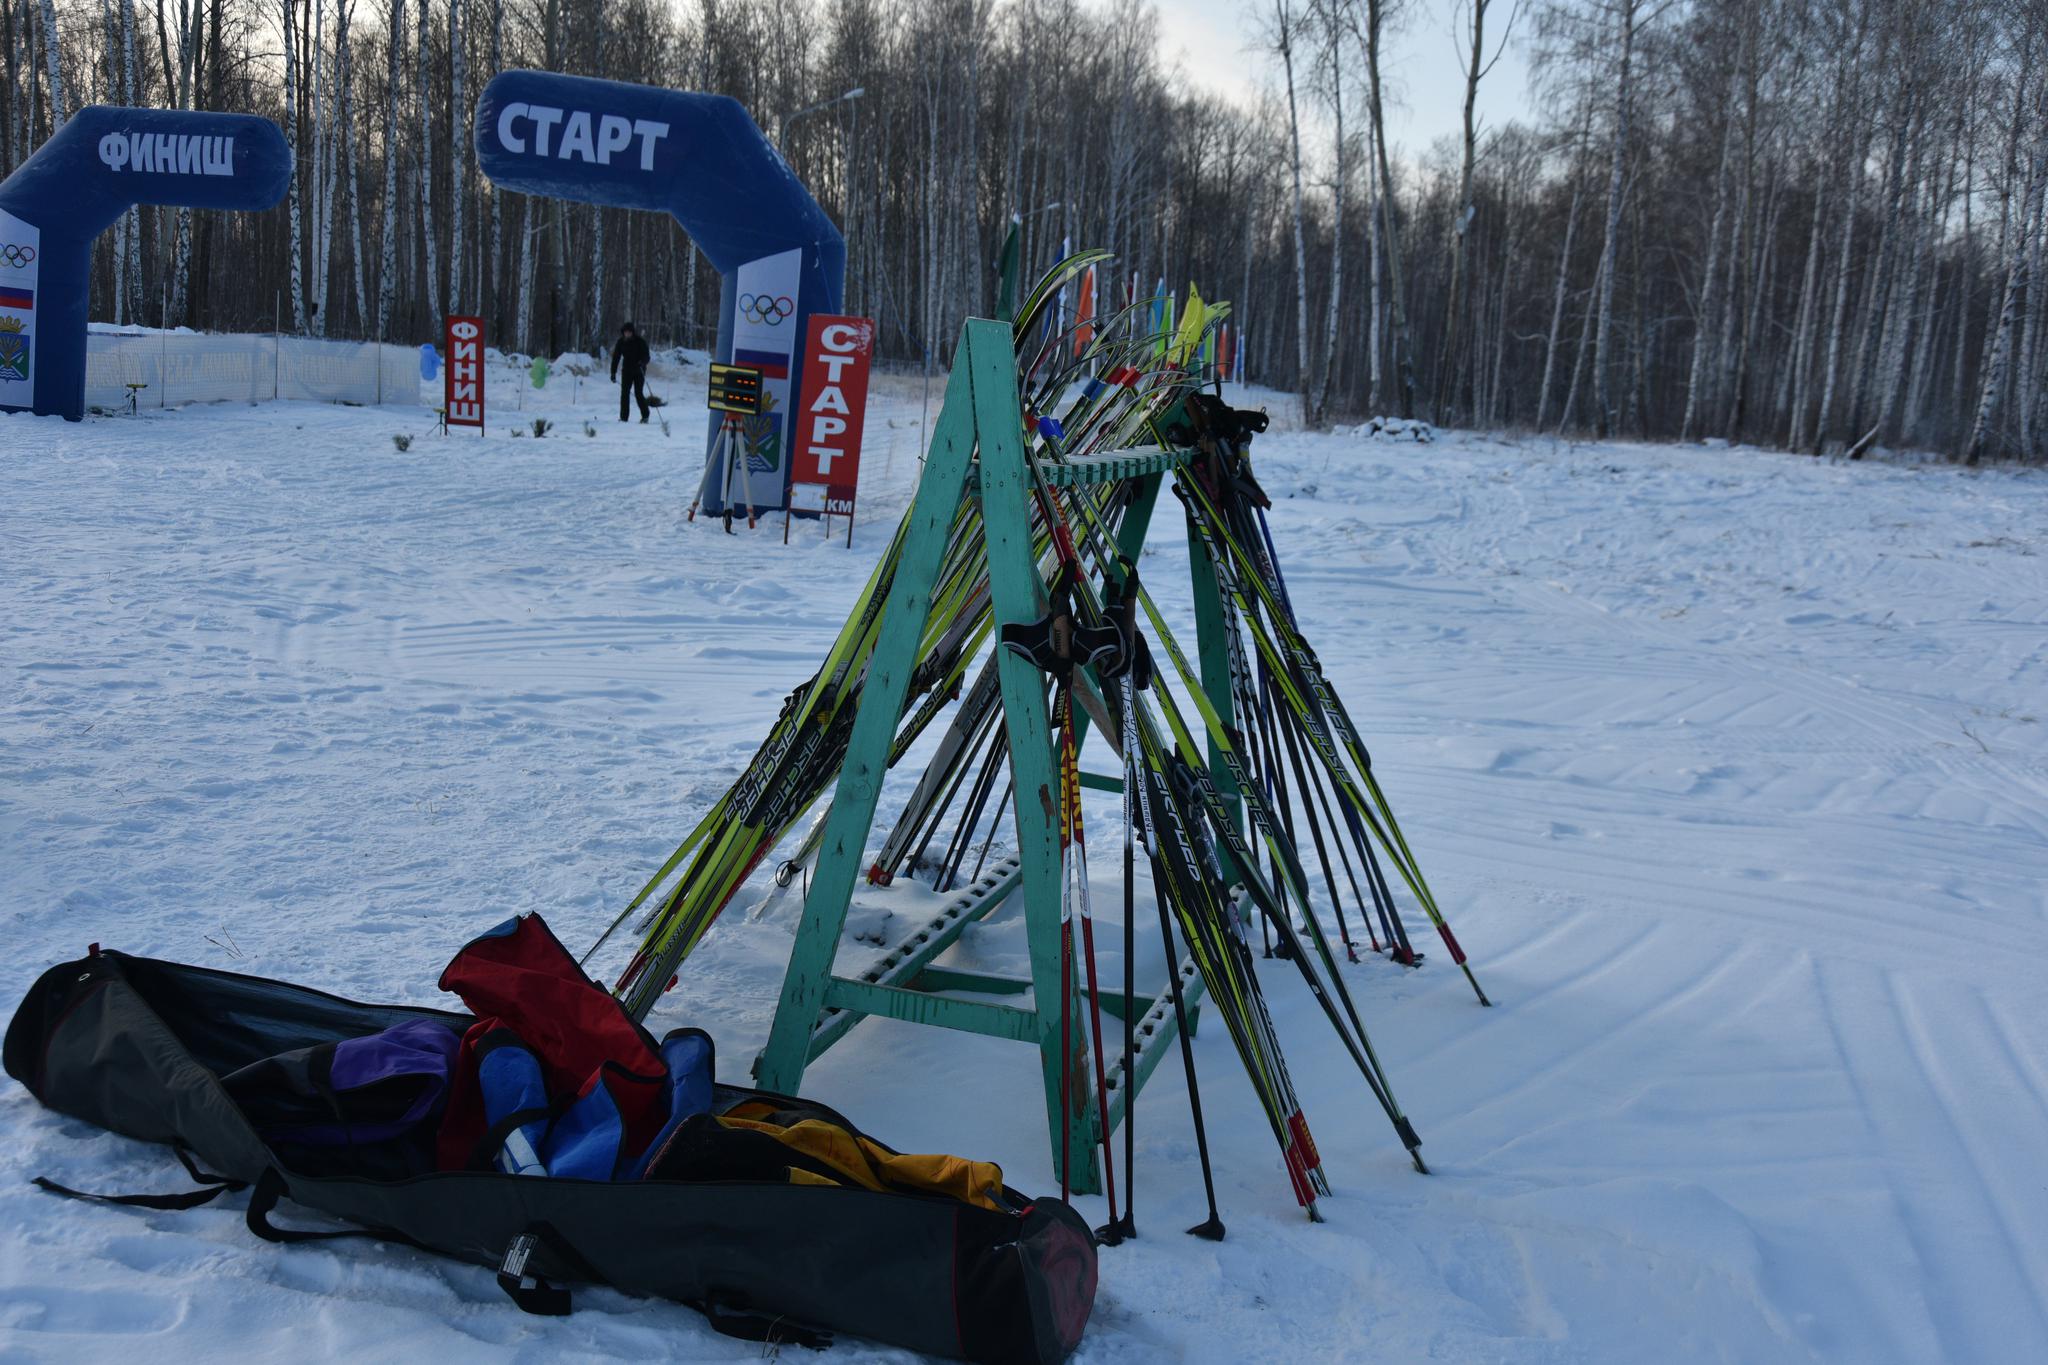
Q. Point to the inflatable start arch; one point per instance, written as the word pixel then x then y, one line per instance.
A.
pixel 95 168
pixel 702 160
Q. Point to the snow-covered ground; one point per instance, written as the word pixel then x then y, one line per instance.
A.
pixel 1731 769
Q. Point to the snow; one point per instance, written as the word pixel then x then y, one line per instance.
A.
pixel 1729 767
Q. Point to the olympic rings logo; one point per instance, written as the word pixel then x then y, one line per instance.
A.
pixel 17 255
pixel 765 310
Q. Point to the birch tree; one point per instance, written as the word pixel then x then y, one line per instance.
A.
pixel 431 290
pixel 289 10
pixel 387 275
pixel 458 147
pixel 1626 13
pixel 53 62
pixel 1282 32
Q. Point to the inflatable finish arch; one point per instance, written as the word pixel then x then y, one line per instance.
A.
pixel 703 160
pixel 100 164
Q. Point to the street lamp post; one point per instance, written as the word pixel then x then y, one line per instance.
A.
pixel 783 121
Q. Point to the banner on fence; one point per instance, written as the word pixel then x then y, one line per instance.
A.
pixel 834 399
pixel 463 382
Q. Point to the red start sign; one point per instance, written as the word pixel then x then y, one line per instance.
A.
pixel 828 416
pixel 463 393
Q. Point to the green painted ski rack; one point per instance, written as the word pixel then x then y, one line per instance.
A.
pixel 978 451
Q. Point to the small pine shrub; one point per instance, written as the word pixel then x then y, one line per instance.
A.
pixel 402 441
pixel 542 426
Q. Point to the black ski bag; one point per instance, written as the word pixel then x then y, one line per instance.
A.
pixel 140 1046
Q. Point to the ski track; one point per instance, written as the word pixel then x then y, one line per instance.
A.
pixel 1730 768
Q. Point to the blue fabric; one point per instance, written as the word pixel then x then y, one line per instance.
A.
pixel 584 1141
pixel 688 1056
pixel 509 1077
pixel 430 360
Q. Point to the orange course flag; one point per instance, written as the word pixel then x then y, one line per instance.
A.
pixel 1084 327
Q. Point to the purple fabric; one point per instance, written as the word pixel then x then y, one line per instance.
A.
pixel 408 1063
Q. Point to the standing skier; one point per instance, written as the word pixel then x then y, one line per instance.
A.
pixel 630 351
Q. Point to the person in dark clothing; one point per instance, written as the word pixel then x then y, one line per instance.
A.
pixel 629 353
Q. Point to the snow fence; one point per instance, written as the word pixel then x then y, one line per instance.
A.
pixel 198 367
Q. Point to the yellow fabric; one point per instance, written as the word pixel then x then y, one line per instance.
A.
pixel 870 1165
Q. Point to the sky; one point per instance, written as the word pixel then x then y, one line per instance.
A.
pixel 1215 43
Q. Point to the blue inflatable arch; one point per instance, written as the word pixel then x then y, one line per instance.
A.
pixel 704 161
pixel 95 168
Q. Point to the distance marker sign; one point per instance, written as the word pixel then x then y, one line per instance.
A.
pixel 836 354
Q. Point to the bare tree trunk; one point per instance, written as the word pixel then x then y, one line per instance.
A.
pixel 1703 330
pixel 345 56
pixel 56 70
pixel 496 262
pixel 191 23
pixel 1375 347
pixel 1476 67
pixel 132 93
pixel 1878 291
pixel 2029 389
pixel 1337 187
pixel 1404 361
pixel 1282 37
pixel 1602 391
pixel 387 279
pixel 1845 268
pixel 1998 345
pixel 458 142
pixel 324 166
pixel 1580 355
pixel 1905 302
pixel 432 290
pixel 526 233
pixel 1564 266
pixel 291 132
pixel 1752 326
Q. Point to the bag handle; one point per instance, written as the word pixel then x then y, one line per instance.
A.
pixel 747 1324
pixel 528 1289
pixel 170 1203
pixel 535 1294
pixel 270 1187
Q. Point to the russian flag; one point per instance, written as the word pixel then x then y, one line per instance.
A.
pixel 14 296
pixel 771 364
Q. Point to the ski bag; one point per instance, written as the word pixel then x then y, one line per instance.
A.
pixel 140 1046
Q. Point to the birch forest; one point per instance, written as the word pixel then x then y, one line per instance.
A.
pixel 1812 224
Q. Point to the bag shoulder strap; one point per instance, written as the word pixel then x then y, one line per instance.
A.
pixel 170 1203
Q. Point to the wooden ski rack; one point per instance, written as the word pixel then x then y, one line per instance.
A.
pixel 977 451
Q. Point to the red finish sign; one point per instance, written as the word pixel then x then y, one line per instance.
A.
pixel 829 412
pixel 463 384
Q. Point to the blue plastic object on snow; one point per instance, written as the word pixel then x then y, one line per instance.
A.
pixel 100 164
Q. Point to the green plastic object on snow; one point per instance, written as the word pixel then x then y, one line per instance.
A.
pixel 539 371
